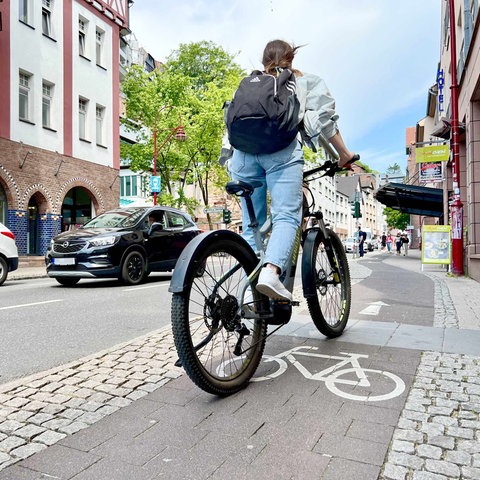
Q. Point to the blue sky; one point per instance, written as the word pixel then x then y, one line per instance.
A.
pixel 378 57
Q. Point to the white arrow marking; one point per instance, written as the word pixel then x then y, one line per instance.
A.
pixel 373 308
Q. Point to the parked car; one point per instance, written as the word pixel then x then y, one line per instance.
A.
pixel 8 253
pixel 124 243
pixel 351 245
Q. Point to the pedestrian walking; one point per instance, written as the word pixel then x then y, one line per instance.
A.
pixel 361 235
pixel 405 242
pixel 384 241
pixel 389 242
pixel 398 243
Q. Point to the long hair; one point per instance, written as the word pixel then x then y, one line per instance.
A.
pixel 278 54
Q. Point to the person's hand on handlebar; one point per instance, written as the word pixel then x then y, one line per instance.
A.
pixel 347 164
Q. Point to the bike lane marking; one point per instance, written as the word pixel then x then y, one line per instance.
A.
pixel 330 375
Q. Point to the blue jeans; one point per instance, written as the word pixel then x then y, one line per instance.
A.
pixel 281 173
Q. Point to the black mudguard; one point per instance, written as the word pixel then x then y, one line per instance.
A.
pixel 308 274
pixel 199 243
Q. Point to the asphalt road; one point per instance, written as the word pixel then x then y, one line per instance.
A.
pixel 44 324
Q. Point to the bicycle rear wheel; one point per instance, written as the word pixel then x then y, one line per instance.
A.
pixel 329 305
pixel 218 349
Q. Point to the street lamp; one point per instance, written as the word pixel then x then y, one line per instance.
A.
pixel 177 133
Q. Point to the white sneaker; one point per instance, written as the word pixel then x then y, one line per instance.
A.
pixel 270 285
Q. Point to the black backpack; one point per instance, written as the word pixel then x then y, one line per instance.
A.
pixel 263 115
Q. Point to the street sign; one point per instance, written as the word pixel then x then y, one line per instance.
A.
pixel 213 210
pixel 155 184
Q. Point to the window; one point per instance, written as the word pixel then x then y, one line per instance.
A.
pixel 82 37
pixel 100 114
pixel 24 11
pixel 24 93
pixel 47 17
pixel 82 118
pixel 99 36
pixel 47 95
pixel 129 186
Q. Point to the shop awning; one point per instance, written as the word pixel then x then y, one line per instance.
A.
pixel 412 199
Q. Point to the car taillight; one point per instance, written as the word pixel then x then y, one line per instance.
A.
pixel 8 234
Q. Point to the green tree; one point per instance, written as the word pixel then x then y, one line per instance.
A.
pixel 155 102
pixel 396 219
pixel 196 81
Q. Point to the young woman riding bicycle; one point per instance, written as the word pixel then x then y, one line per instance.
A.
pixel 281 173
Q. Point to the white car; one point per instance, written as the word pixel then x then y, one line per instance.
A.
pixel 8 253
pixel 351 245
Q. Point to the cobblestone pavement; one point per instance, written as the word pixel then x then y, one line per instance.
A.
pixel 438 434
pixel 38 411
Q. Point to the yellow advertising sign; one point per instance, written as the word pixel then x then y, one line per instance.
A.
pixel 436 244
pixel 432 153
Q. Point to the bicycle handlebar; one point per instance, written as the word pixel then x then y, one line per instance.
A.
pixel 330 168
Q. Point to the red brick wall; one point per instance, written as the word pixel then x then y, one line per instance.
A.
pixel 51 175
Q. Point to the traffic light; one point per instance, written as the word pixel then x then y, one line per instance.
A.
pixel 357 210
pixel 227 216
pixel 355 206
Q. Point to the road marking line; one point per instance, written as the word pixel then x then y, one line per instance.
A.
pixel 132 289
pixel 373 308
pixel 30 304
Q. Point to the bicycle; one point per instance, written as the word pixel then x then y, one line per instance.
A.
pixel 219 334
pixel 357 378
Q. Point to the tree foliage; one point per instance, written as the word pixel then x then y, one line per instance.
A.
pixel 196 81
pixel 396 219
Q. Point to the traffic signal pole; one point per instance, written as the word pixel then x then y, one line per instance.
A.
pixel 456 207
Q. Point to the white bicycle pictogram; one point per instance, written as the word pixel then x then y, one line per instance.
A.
pixel 332 375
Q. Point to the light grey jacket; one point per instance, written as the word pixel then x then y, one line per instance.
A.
pixel 317 107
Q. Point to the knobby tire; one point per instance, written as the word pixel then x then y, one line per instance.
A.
pixel 330 307
pixel 205 320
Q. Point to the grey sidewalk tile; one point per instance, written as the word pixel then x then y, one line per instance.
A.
pixel 418 337
pixel 107 469
pixel 349 448
pixel 288 461
pixel 372 431
pixel 344 469
pixel 466 342
pixel 59 461
pixel 16 472
pixel 106 429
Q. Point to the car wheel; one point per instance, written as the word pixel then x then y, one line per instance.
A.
pixel 3 270
pixel 133 269
pixel 67 281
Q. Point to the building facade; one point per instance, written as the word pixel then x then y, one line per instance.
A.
pixel 59 122
pixel 435 128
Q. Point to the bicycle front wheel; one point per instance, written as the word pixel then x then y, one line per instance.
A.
pixel 218 349
pixel 329 300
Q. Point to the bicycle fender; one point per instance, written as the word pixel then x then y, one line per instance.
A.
pixel 199 243
pixel 308 275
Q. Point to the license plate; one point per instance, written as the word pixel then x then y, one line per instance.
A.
pixel 63 261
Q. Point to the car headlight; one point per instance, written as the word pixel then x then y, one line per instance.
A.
pixel 102 241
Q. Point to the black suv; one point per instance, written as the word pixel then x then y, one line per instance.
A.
pixel 125 243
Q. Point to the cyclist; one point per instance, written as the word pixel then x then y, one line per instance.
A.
pixel 281 172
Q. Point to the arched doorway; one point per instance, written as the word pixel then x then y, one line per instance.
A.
pixel 36 206
pixel 76 208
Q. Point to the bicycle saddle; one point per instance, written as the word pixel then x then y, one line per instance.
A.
pixel 242 189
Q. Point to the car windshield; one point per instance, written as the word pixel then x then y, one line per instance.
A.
pixel 116 219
